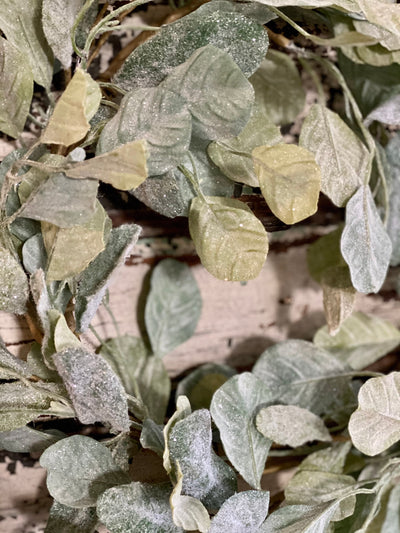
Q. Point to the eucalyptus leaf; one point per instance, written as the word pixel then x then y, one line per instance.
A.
pixel 14 289
pixel 365 244
pixel 242 513
pixel 360 341
pixel 290 180
pixel 21 23
pixel 206 476
pixel 173 306
pixel 230 241
pixel 28 440
pixel 393 223
pixel 233 408
pixel 79 470
pixel 155 115
pixel 16 88
pixel 65 519
pixel 219 24
pixel 216 92
pixel 95 390
pixel 95 278
pixel 375 426
pixel 338 151
pixel 136 508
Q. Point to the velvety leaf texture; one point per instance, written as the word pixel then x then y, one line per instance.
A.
pixel 188 512
pixel 393 223
pixel 301 519
pixel 65 519
pixel 27 439
pixel 11 366
pixel 242 513
pixel 14 289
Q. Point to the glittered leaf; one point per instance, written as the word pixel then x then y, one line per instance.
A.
pixel 20 404
pixel 95 390
pixel 14 290
pixel 28 440
pixel 233 408
pixel 216 92
pixel 16 88
pixel 12 367
pixel 365 244
pixel 338 151
pixel 393 223
pixel 183 410
pixel 65 519
pixel 290 180
pixel 230 241
pixel 388 112
pixel 79 470
pixel 242 513
pixel 173 306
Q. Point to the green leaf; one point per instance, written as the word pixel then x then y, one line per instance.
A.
pixel 233 156
pixel 21 23
pixel 233 408
pixel 289 425
pixel 360 341
pixel 348 5
pixel 124 167
pixel 205 475
pixel 95 278
pixel 230 241
pixel 216 92
pixel 388 518
pixel 366 247
pixel 331 459
pixel 65 519
pixel 301 519
pixel 242 513
pixel 152 437
pixel 173 306
pixel 393 223
pixel 12 367
pixel 154 385
pixel 79 470
pixel 136 508
pixel 183 410
pixel 382 14
pixel 375 426
pixel 14 290
pixel 34 255
pixel 388 112
pixel 16 88
pixel 290 180
pixel 28 440
pixel 325 255
pixel 338 151
pixel 199 386
pixel 157 116
pixel 278 88
pixel 218 24
pixel 338 296
pixel 63 336
pixel 298 373
pixel 69 122
pixel 95 390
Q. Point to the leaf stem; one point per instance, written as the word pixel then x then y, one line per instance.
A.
pixel 191 177
pixel 85 8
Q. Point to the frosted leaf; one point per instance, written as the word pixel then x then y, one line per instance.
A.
pixel 152 437
pixel 27 439
pixel 65 519
pixel 300 518
pixel 242 513
pixel 393 223
pixel 183 410
pixel 14 289
pixel 34 255
pixel 11 366
pixel 348 5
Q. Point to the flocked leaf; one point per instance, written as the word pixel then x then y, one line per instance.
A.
pixel 230 241
pixel 14 290
pixel 79 470
pixel 183 410
pixel 11 366
pixel 242 513
pixel 28 440
pixel 393 223
pixel 365 244
pixel 324 255
pixel 154 385
pixel 388 112
pixel 382 14
pixel 173 306
pixel 152 437
pixel 65 519
pixel 290 180
pixel 233 408
pixel 34 255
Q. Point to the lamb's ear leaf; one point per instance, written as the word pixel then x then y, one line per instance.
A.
pixel 393 223
pixel 16 88
pixel 375 426
pixel 230 241
pixel 66 519
pixel 173 306
pixel 137 507
pixel 290 180
pixel 183 410
pixel 14 290
pixel 365 244
pixel 216 92
pixel 233 408
pixel 79 470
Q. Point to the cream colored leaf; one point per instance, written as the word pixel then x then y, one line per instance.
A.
pixel 383 14
pixel 290 180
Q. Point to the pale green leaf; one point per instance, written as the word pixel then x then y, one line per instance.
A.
pixel 32 179
pixel 206 476
pixel 173 306
pixel 324 255
pixel 298 373
pixel 69 122
pixel 79 470
pixel 230 241
pixel 383 14
pixel 65 519
pixel 21 23
pixel 34 255
pixel 152 437
pixel 331 459
pixel 375 426
pixel 154 386
pixel 157 116
pixel 348 5
pixel 95 390
pixel 28 440
pixel 123 449
pixel 338 151
pixel 301 519
pixel 183 410
pixel 217 93
pixel 14 289
pixel 338 297
pixel 290 180
pixel 289 425
pixel 95 278
pixel 393 223
pixel 124 167
pixel 12 367
pixel 233 408
pixel 365 244
pixel 388 518
pixel 136 508
pixel 16 88
pixel 242 513
pixel 388 112
pixel 38 366
pixel 360 341
pixel 219 24
pixel 63 336
pixel 278 88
